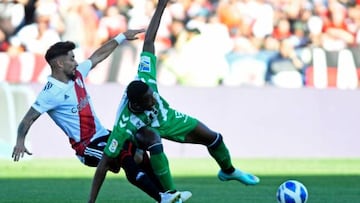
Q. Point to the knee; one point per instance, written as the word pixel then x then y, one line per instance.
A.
pixel 156 149
pixel 217 141
pixel 146 138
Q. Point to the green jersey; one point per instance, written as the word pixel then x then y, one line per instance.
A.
pixel 169 123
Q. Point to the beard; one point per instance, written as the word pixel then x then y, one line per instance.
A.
pixel 71 75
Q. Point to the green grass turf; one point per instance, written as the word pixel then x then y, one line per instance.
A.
pixel 327 180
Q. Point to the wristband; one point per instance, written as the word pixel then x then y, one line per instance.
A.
pixel 120 38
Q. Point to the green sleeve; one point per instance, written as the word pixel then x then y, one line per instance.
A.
pixel 147 69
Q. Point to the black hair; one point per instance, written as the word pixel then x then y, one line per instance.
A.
pixel 136 90
pixel 59 49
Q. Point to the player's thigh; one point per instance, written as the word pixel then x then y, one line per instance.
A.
pixel 178 127
pixel 201 134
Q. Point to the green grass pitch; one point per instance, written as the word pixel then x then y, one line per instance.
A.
pixel 66 180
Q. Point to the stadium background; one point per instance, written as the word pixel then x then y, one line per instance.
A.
pixel 256 123
pixel 221 70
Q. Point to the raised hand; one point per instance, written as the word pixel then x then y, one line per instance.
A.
pixel 132 34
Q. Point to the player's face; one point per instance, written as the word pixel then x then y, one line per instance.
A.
pixel 148 100
pixel 70 65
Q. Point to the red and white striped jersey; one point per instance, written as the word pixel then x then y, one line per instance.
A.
pixel 70 107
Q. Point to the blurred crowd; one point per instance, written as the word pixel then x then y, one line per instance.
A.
pixel 200 42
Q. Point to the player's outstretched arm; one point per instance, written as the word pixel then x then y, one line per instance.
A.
pixel 24 126
pixel 106 49
pixel 99 177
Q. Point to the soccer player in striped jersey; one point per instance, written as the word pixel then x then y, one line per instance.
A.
pixel 69 105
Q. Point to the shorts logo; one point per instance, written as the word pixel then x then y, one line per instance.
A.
pixel 179 115
pixel 113 145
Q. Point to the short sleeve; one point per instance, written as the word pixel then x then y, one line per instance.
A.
pixel 45 101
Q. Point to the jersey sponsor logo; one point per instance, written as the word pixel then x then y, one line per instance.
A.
pixel 113 145
pixel 66 97
pixel 145 65
pixel 82 104
pixel 136 121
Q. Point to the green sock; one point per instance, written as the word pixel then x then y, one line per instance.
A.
pixel 160 165
pixel 222 156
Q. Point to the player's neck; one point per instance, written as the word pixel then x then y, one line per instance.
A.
pixel 60 77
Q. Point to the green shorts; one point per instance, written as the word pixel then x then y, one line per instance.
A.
pixel 177 126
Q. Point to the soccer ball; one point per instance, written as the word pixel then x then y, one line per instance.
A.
pixel 292 191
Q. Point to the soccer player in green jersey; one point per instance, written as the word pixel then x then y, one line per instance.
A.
pixel 145 117
pixel 124 133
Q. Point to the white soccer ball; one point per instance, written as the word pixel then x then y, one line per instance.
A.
pixel 292 191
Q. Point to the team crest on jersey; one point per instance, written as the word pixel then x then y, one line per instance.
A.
pixel 79 82
pixel 145 65
pixel 113 145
